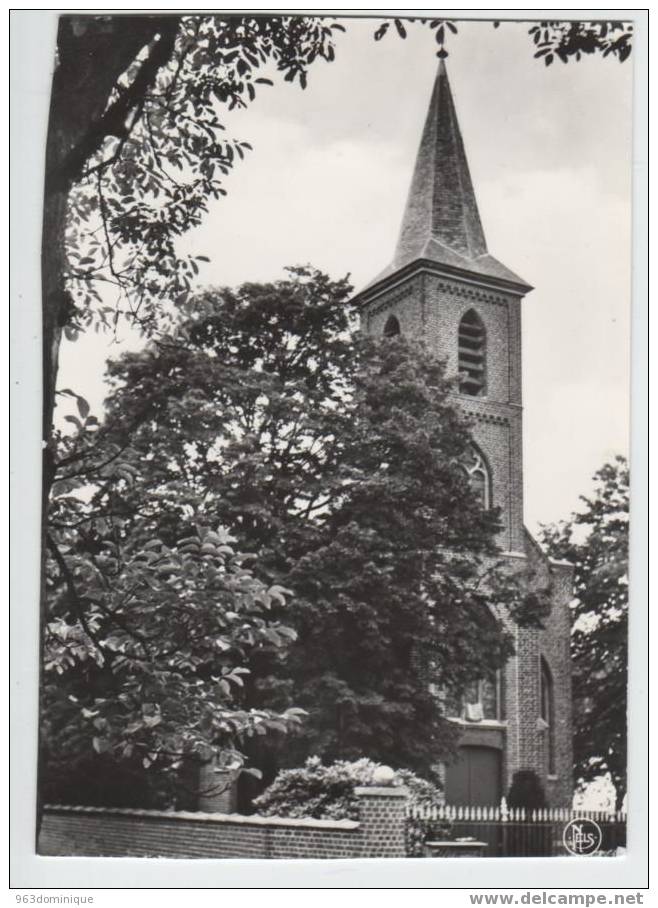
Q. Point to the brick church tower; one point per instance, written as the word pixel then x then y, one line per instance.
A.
pixel 445 287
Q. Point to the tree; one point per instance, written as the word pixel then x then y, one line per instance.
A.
pixel 146 644
pixel 336 458
pixel 599 641
pixel 136 151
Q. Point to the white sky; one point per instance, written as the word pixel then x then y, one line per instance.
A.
pixel 549 152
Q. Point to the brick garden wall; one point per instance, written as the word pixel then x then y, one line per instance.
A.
pixel 110 832
pixel 383 817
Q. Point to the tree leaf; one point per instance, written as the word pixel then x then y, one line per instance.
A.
pixel 83 407
pixel 74 420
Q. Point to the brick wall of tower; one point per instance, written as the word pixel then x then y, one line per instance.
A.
pixel 526 734
pixel 430 307
pixel 555 643
pixel 499 437
pixel 523 707
pixel 405 301
pixel 446 301
pixel 520 734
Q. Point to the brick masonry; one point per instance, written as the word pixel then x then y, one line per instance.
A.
pixel 430 307
pixel 429 301
pixel 107 832
pixel 382 813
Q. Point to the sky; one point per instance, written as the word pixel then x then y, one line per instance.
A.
pixel 550 157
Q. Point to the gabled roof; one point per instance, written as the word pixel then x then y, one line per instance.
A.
pixel 441 222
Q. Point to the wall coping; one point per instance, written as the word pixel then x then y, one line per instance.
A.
pixel 200 817
pixel 381 792
pixel 493 724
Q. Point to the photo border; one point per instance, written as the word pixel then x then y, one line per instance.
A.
pixel 32 34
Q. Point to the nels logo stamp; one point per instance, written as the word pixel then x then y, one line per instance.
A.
pixel 582 836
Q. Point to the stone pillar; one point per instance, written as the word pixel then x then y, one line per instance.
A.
pixel 382 815
pixel 217 789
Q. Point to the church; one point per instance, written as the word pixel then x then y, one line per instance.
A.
pixel 444 287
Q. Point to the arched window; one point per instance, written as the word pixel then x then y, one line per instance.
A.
pixel 472 355
pixel 392 326
pixel 475 467
pixel 547 713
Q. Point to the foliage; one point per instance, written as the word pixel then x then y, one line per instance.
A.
pixel 441 28
pixel 570 40
pixel 142 186
pixel 562 39
pixel 327 793
pixel 419 830
pixel 599 642
pixel 336 458
pixel 526 791
pixel 146 642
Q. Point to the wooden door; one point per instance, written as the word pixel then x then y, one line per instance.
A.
pixel 475 780
pixel 475 777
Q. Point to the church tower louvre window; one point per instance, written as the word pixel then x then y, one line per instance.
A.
pixel 472 354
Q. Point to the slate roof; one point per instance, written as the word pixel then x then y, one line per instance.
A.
pixel 441 222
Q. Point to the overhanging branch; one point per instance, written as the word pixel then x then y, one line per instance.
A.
pixel 113 121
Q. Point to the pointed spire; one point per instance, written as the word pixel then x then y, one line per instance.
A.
pixel 441 224
pixel 441 205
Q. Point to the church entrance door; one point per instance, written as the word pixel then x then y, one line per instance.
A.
pixel 475 777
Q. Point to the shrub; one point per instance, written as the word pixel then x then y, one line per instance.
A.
pixel 526 791
pixel 327 792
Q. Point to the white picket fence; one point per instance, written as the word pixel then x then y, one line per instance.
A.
pixel 504 814
pixel 515 831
